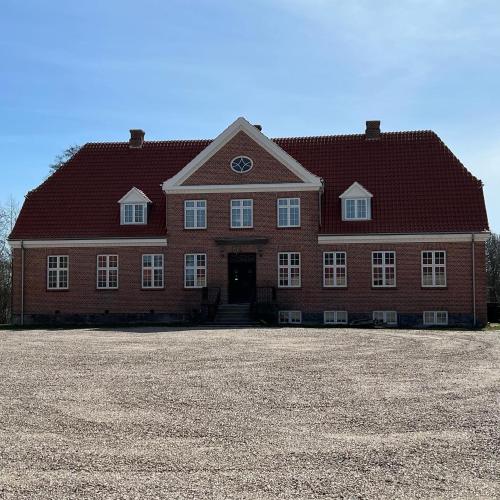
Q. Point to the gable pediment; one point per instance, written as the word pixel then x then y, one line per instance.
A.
pixel 270 164
pixel 135 195
pixel 356 190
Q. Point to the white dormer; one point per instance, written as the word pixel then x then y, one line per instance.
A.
pixel 134 207
pixel 356 203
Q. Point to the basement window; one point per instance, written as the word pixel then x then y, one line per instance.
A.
pixel 290 317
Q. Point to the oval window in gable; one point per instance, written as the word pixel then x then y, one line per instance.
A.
pixel 241 164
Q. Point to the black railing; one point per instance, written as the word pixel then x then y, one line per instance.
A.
pixel 265 295
pixel 210 300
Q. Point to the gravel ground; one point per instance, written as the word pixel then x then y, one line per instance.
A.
pixel 249 414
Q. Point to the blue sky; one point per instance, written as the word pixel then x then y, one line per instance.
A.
pixel 74 72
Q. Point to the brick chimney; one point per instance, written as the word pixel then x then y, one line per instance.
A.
pixel 373 129
pixel 136 138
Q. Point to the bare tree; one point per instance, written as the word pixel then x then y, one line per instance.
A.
pixel 493 264
pixel 63 158
pixel 8 216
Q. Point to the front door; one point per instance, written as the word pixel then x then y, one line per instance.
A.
pixel 241 277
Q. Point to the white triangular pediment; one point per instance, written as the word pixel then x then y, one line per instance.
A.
pixel 135 195
pixel 356 191
pixel 242 125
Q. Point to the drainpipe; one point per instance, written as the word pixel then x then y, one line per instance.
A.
pixel 473 278
pixel 22 283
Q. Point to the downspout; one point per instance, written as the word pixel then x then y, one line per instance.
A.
pixel 473 278
pixel 320 201
pixel 22 283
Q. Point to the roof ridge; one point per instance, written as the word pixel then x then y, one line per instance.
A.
pixel 323 136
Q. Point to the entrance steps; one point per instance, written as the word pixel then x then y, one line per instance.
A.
pixel 234 314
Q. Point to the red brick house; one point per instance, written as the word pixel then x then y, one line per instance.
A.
pixel 335 229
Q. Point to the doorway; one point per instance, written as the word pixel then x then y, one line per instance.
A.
pixel 241 277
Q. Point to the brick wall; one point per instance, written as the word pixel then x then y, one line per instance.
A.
pixel 266 169
pixel 312 297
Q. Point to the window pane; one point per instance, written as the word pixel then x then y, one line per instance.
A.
pixel 190 260
pixel 294 216
pixel 190 277
pixel 158 260
pixel 282 217
pixel 190 218
pixel 113 278
pixel 147 261
pixel 235 217
pixel 113 261
pixel 350 209
pixel 139 213
pixel 201 259
pixel 63 279
pixel 200 218
pixel 158 277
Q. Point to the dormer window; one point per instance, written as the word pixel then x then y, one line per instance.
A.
pixel 356 203
pixel 134 213
pixel 356 208
pixel 134 207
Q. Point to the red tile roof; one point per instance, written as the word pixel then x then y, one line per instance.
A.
pixel 418 185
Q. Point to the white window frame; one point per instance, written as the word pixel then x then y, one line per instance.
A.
pixel 195 268
pixel 356 209
pixel 58 270
pixel 153 268
pixel 289 268
pixel 334 266
pixel 288 317
pixel 335 320
pixel 199 206
pixel 241 209
pixel 383 266
pixel 384 317
pixel 288 208
pixel 107 268
pixel 434 321
pixel 134 205
pixel 433 267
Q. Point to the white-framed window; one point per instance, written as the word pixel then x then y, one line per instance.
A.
pixel 58 272
pixel 288 269
pixel 334 269
pixel 288 212
pixel 433 268
pixel 383 269
pixel 357 208
pixel 335 317
pixel 134 213
pixel 107 271
pixel 290 317
pixel 438 318
pixel 195 214
pixel 241 164
pixel 386 317
pixel 241 213
pixel 195 270
pixel 152 271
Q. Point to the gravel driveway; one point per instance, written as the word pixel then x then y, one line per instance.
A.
pixel 249 413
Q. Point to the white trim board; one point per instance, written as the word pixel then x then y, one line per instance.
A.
pixel 242 125
pixel 118 242
pixel 134 196
pixel 356 190
pixel 402 238
pixel 243 188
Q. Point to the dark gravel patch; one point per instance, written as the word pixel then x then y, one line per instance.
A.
pixel 262 413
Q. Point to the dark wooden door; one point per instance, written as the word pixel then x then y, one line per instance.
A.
pixel 241 277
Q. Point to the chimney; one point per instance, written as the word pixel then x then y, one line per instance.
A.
pixel 136 138
pixel 373 129
pixel 258 127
